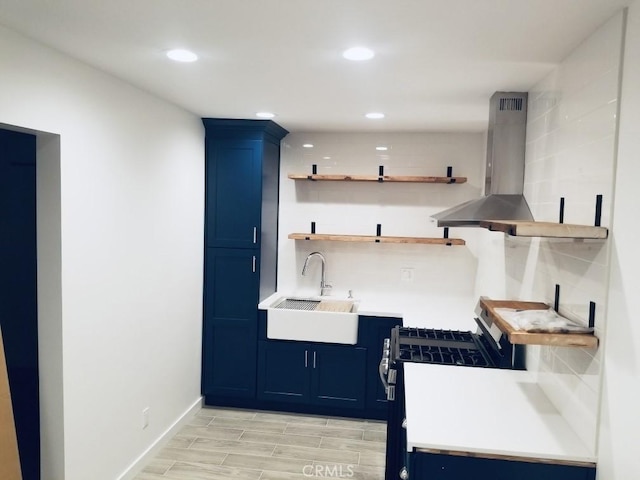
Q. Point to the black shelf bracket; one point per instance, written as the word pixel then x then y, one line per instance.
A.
pixel 450 175
pixel 598 218
pixel 313 227
pixel 445 234
pixel 381 173
pixel 313 230
pixel 314 171
pixel 592 312
pixel 378 231
pixel 592 307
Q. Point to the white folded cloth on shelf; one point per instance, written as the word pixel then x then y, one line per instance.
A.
pixel 541 321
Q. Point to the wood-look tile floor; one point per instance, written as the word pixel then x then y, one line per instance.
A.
pixel 221 443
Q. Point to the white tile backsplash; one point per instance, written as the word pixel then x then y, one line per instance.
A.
pixel 402 209
pixel 571 154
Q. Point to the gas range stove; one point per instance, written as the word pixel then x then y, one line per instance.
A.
pixel 487 347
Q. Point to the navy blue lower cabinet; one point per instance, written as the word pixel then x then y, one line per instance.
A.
pixel 339 376
pixel 283 374
pixel 230 330
pixel 230 364
pixel 312 374
pixel 427 466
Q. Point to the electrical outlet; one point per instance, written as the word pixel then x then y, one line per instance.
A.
pixel 406 275
pixel 145 417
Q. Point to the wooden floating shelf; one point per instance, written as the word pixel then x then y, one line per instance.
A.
pixel 545 229
pixel 376 178
pixel 373 239
pixel 521 337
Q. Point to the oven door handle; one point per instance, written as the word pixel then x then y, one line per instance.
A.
pixel 383 369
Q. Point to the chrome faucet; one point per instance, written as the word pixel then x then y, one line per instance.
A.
pixel 325 288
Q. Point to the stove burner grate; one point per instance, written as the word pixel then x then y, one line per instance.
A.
pixel 436 334
pixel 442 355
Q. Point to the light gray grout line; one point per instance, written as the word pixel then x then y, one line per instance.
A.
pixel 192 442
pixel 275 445
pixel 164 474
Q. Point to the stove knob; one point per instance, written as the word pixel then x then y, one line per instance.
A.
pixel 404 475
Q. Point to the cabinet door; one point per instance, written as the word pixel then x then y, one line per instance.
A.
pixel 339 375
pixel 283 373
pixel 231 323
pixel 233 193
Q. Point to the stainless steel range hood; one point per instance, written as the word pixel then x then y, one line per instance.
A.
pixel 504 174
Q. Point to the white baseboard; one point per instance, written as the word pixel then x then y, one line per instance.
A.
pixel 140 462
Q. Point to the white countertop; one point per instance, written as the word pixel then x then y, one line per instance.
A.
pixel 486 411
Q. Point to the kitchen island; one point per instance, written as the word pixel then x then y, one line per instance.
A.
pixel 488 415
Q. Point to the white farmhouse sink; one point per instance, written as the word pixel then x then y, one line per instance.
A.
pixel 310 319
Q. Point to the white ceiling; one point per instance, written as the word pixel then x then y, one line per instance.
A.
pixel 437 61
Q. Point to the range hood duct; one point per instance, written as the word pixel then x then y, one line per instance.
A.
pixel 504 174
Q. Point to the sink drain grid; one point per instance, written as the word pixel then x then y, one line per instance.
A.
pixel 294 304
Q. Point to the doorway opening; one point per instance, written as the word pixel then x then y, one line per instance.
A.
pixel 18 290
pixel 30 295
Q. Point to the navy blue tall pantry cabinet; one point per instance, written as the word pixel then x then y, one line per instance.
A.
pixel 242 165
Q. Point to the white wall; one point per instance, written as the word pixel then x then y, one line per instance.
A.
pixel 50 344
pixel 571 140
pixel 127 322
pixel 620 420
pixel 444 276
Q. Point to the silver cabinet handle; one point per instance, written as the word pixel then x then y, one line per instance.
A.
pixel 314 359
pixel 391 393
pixel 255 234
pixel 253 267
pixel 306 363
pixel 383 368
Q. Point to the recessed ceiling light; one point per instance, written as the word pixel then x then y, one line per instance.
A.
pixel 326 158
pixel 358 54
pixel 382 149
pixel 265 115
pixel 182 55
pixel 308 145
pixel 375 115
